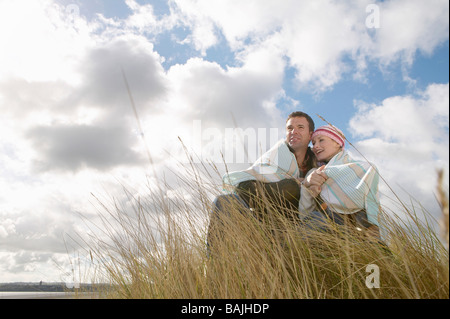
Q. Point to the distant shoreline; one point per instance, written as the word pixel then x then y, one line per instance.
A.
pixel 43 287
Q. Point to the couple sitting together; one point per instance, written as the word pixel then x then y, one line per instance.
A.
pixel 317 185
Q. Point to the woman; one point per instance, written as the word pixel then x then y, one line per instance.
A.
pixel 349 193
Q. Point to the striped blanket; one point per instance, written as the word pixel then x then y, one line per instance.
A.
pixel 351 187
pixel 276 164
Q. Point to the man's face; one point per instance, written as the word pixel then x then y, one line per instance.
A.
pixel 298 135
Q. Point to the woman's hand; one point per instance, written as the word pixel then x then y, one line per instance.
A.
pixel 314 191
pixel 315 180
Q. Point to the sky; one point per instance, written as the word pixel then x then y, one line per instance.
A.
pixel 205 72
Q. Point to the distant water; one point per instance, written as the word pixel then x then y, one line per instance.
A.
pixel 44 295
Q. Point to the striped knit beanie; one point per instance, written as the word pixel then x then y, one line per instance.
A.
pixel 332 132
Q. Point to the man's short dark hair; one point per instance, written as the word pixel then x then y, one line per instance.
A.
pixel 306 116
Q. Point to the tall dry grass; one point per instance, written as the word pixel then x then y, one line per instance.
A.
pixel 157 249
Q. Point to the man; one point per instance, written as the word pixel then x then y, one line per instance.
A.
pixel 299 129
pixel 279 171
pixel 290 158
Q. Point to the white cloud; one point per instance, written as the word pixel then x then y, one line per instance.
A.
pixel 407 26
pixel 7 228
pixel 237 20
pixel 74 147
pixel 407 138
pixel 321 39
pixel 43 40
pixel 310 34
pixel 219 99
pixel 408 120
pixel 66 116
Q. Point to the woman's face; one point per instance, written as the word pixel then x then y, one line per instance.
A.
pixel 324 148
